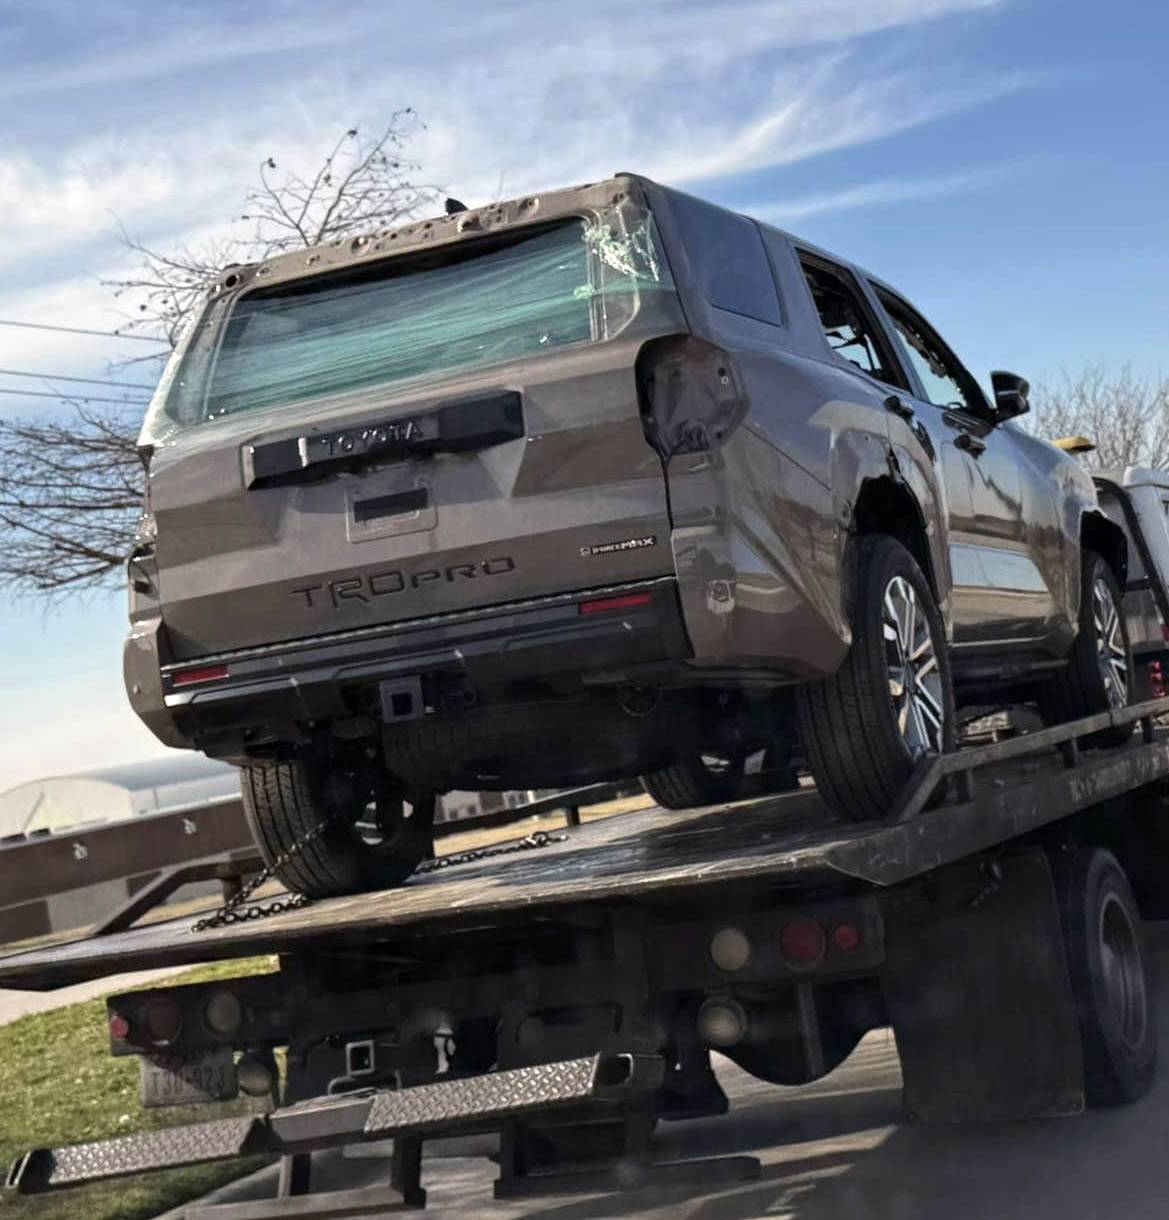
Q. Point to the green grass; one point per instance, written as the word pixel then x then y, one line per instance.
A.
pixel 60 1085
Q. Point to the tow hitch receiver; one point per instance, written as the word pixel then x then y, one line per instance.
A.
pixel 473 1103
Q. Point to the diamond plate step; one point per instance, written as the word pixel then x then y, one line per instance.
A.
pixel 443 1108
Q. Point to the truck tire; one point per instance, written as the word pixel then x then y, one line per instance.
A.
pixel 1114 1001
pixel 865 728
pixel 375 840
pixel 697 779
pixel 1099 674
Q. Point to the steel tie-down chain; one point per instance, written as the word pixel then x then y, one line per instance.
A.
pixel 231 913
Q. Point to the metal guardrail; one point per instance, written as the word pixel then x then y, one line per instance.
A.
pixel 156 854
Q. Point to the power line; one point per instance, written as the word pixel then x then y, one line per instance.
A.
pixel 81 330
pixel 121 385
pixel 122 402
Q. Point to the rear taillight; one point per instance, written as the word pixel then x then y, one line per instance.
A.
pixel 163 1020
pixel 1156 680
pixel 204 673
pixel 802 942
pixel 846 937
pixel 628 601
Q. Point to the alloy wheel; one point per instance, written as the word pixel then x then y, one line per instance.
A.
pixel 1111 652
pixel 914 674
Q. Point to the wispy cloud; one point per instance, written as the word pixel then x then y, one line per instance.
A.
pixel 518 96
pixel 186 50
pixel 878 193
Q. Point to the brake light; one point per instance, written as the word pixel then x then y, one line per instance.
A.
pixel 206 673
pixel 802 941
pixel 846 937
pixel 1156 679
pixel 163 1020
pixel 627 601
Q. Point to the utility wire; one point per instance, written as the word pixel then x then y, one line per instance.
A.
pixel 124 402
pixel 120 385
pixel 80 330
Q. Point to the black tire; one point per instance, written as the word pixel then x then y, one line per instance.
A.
pixel 1080 689
pixel 284 801
pixel 691 782
pixel 848 723
pixel 1113 993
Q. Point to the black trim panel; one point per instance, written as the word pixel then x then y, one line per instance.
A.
pixel 472 423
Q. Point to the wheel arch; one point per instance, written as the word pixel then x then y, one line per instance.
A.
pixel 886 505
pixel 1107 539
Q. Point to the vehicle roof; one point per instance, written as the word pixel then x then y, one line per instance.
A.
pixel 429 231
pixel 1136 476
pixel 438 230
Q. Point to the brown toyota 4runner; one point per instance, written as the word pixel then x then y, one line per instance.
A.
pixel 595 483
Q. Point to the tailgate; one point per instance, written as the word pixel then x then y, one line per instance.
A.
pixel 495 490
pixel 447 429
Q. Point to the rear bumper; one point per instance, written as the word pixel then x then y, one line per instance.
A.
pixel 325 678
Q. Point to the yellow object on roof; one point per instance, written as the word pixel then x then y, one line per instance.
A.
pixel 1074 444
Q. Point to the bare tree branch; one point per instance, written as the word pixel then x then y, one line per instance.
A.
pixel 71 482
pixel 1127 417
pixel 70 490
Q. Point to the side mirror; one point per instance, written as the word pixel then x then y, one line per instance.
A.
pixel 1010 394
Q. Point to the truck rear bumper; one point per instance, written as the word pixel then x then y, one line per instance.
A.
pixel 584 634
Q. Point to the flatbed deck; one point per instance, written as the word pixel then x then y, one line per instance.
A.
pixel 1002 791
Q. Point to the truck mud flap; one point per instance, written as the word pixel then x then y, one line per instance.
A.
pixel 980 997
pixel 447 1107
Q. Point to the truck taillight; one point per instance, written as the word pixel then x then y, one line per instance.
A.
pixel 846 937
pixel 802 942
pixel 1156 680
pixel 163 1020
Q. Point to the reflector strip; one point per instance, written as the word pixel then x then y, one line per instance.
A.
pixel 209 673
pixel 626 602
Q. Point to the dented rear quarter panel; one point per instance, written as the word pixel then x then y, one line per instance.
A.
pixel 761 517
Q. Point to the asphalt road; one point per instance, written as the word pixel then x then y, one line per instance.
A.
pixel 840 1150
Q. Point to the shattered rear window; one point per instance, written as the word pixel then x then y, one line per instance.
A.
pixel 419 317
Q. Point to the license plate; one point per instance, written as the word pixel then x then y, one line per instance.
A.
pixel 167 1082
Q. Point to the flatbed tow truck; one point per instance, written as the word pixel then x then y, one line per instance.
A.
pixel 568 995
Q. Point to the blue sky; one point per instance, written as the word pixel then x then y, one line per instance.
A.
pixel 1001 161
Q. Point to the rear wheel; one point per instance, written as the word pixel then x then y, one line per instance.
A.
pixel 1099 673
pixel 375 835
pixel 1114 1002
pixel 697 779
pixel 891 703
